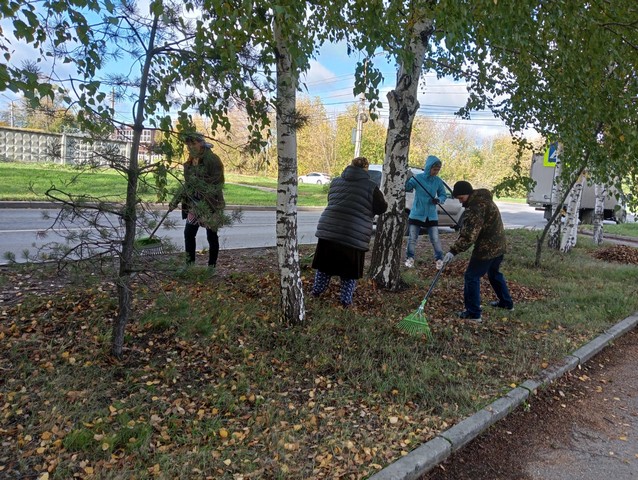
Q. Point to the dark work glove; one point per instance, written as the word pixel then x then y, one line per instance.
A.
pixel 435 201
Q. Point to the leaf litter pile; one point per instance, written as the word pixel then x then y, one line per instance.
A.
pixel 212 385
pixel 617 253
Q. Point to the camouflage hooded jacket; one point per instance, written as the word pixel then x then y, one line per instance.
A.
pixel 482 226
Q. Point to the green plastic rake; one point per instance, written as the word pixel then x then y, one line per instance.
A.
pixel 416 323
pixel 152 245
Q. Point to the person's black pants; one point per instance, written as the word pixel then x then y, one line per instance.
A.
pixel 190 243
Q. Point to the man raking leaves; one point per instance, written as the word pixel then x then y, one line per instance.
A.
pixel 482 227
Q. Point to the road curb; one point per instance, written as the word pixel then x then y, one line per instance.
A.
pixel 427 456
pixel 159 206
pixel 612 238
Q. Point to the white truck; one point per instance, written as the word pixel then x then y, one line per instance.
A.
pixel 542 171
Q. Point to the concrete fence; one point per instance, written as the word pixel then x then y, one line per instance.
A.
pixel 22 145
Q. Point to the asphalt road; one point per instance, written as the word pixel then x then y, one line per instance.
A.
pixel 20 227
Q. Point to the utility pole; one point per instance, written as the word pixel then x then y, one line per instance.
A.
pixel 362 117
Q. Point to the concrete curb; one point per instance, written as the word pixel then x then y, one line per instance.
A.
pixel 424 458
pixel 159 206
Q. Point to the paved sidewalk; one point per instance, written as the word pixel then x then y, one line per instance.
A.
pixel 423 459
pixel 583 427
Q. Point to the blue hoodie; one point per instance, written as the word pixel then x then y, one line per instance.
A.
pixel 423 209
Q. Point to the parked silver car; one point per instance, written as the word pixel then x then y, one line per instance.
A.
pixel 449 213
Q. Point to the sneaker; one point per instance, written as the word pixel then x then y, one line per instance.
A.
pixel 439 264
pixel 468 316
pixel 497 304
pixel 409 262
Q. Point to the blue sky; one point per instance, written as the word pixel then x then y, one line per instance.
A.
pixel 331 78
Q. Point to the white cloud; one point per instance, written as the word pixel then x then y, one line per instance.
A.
pixel 317 74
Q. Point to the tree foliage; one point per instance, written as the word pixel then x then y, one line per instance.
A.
pixel 173 57
pixel 565 69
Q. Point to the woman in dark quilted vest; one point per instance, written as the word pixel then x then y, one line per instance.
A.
pixel 345 229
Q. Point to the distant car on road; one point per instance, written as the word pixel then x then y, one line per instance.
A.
pixel 452 206
pixel 316 178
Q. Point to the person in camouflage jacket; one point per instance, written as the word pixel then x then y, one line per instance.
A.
pixel 482 227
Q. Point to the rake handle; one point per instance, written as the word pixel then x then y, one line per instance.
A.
pixel 432 197
pixel 160 222
pixel 436 279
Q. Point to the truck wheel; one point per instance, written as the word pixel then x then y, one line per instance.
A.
pixel 620 216
pixel 547 213
pixel 587 216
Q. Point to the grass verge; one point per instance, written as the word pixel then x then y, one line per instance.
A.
pixel 29 182
pixel 622 229
pixel 214 386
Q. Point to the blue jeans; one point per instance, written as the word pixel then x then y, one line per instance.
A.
pixel 472 289
pixel 413 236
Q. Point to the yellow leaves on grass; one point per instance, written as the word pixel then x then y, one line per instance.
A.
pixel 154 470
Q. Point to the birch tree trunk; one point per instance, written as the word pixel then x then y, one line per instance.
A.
pixel 600 192
pixel 386 256
pixel 292 299
pixel 553 235
pixel 569 230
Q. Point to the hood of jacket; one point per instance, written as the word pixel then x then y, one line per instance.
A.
pixel 430 162
pixel 478 196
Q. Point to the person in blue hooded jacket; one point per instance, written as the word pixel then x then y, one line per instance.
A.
pixel 429 191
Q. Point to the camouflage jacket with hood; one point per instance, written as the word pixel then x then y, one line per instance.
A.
pixel 482 226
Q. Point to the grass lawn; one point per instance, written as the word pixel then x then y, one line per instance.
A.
pixel 214 386
pixel 621 229
pixel 22 182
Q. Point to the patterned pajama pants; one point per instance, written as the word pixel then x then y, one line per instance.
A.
pixel 322 280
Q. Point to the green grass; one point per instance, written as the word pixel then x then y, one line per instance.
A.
pixel 29 182
pixel 622 229
pixel 212 382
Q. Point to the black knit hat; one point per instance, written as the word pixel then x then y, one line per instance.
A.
pixel 462 188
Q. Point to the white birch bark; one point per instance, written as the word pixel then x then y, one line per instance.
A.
pixel 292 299
pixel 403 104
pixel 553 234
pixel 600 191
pixel 569 230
